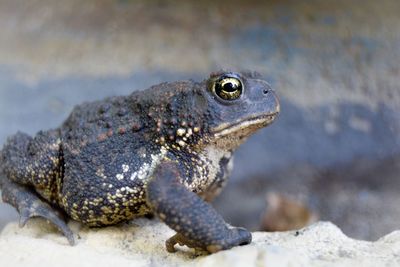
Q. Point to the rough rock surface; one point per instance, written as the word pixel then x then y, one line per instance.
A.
pixel 141 243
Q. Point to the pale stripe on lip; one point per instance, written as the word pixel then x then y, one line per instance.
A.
pixel 224 129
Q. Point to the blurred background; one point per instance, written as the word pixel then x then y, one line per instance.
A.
pixel 334 152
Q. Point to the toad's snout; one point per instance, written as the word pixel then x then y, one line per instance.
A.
pixel 265 98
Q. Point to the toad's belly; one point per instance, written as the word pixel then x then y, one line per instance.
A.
pixel 110 191
pixel 108 208
pixel 101 197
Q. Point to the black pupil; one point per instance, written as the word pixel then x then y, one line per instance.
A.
pixel 230 87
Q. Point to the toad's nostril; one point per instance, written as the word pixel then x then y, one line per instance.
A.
pixel 265 91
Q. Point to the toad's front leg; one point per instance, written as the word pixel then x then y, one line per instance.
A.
pixel 197 224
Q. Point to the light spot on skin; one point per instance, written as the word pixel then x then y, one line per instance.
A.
pixel 100 173
pixel 180 132
pixel 142 173
pixel 181 143
pixel 133 176
pixel 162 140
pixel 189 132
pixel 142 152
pixel 125 168
pixel 146 169
pixel 128 189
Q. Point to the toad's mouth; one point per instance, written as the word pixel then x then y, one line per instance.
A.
pixel 254 122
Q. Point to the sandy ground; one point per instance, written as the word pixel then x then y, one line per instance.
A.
pixel 142 244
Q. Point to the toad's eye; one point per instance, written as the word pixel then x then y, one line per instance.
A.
pixel 228 87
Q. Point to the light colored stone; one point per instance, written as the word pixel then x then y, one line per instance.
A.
pixel 141 243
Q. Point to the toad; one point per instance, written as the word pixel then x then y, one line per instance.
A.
pixel 165 151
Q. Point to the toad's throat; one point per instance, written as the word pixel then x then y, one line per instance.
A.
pixel 248 123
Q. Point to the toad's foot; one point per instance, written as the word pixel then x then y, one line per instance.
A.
pixel 197 224
pixel 241 237
pixel 30 205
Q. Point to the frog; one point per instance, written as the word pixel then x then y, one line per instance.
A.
pixel 166 151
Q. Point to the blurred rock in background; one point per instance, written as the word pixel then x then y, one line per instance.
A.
pixel 335 65
pixel 285 213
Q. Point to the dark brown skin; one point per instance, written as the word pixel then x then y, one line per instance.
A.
pixel 164 151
